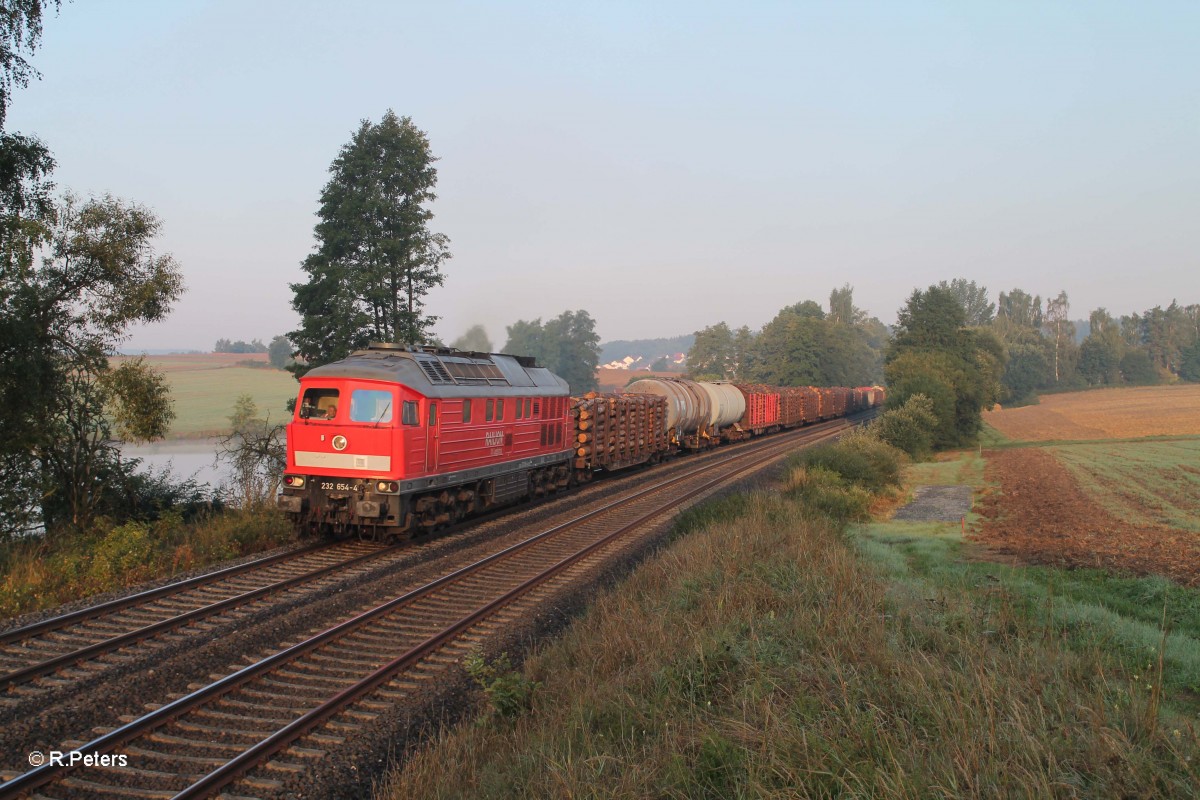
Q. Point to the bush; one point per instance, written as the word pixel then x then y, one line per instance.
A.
pixel 859 457
pixel 825 493
pixel 508 690
pixel 909 427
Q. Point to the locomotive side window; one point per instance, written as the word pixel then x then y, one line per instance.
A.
pixel 408 413
pixel 432 415
pixel 528 411
pixel 467 410
pixel 499 410
pixel 370 405
pixel 491 404
pixel 319 404
pixel 537 408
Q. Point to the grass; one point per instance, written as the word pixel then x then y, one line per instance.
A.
pixel 204 398
pixel 1119 615
pixel 768 653
pixel 41 573
pixel 1141 482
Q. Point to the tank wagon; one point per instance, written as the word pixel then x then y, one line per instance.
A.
pixel 396 441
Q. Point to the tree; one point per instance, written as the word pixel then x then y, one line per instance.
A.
pixel 978 309
pixel 804 346
pixel 566 345
pixel 376 258
pixel 842 309
pixel 1100 353
pixel 1062 334
pixel 62 319
pixel 475 340
pixel 934 353
pixel 253 346
pixel 20 31
pixel 1018 310
pixel 256 451
pixel 279 352
pixel 711 356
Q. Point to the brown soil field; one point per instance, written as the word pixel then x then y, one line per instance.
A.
pixel 1104 414
pixel 1042 515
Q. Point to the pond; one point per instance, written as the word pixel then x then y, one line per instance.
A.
pixel 186 458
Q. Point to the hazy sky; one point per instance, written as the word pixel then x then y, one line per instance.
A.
pixel 663 165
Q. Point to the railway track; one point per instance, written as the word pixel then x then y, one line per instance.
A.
pixel 252 732
pixel 60 643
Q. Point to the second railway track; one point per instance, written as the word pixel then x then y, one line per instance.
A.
pixel 256 731
pixel 59 643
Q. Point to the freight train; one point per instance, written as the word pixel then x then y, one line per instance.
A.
pixel 396 441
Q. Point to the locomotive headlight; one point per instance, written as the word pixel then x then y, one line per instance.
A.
pixel 294 481
pixel 387 487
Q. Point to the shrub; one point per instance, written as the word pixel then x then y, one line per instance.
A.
pixel 859 457
pixel 825 493
pixel 909 427
pixel 508 690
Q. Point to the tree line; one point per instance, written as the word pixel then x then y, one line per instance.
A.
pixel 804 345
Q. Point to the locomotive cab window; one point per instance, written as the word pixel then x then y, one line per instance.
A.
pixel 433 415
pixel 370 405
pixel 408 413
pixel 319 404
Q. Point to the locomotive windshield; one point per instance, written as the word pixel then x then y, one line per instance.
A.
pixel 319 404
pixel 370 405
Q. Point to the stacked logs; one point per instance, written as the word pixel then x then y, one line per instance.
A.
pixel 618 430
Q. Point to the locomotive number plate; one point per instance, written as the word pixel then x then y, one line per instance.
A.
pixel 331 486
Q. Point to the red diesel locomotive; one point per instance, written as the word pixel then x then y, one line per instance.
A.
pixel 393 441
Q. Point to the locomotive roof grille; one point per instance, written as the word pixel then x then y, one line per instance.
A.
pixel 435 370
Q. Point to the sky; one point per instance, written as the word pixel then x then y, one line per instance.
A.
pixel 664 166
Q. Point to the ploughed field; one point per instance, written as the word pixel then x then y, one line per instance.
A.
pixel 1119 502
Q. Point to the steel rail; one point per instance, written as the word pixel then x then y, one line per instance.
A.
pixel 153 720
pixel 51 665
pixel 121 603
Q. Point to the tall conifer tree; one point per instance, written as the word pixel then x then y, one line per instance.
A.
pixel 376 258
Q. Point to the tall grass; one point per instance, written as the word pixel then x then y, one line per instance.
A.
pixel 44 572
pixel 763 655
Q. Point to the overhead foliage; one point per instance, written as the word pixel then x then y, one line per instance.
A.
pixel 376 258
pixel 20 33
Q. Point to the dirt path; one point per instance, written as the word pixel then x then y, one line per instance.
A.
pixel 1042 515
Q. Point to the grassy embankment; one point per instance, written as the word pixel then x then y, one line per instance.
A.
pixel 771 652
pixel 37 574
